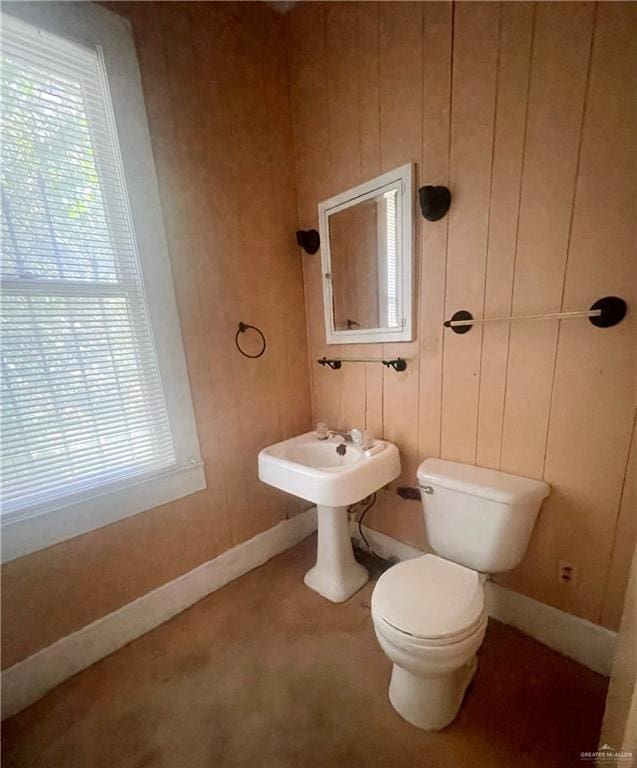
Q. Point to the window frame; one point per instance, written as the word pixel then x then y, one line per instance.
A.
pixel 91 26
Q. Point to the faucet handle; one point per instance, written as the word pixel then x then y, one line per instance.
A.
pixel 322 432
pixel 357 437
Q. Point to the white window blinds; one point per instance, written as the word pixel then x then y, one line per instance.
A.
pixel 391 298
pixel 82 401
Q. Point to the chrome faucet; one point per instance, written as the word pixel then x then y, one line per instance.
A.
pixel 347 436
pixel 363 439
pixel 323 432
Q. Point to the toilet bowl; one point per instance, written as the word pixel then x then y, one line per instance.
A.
pixel 429 613
pixel 429 617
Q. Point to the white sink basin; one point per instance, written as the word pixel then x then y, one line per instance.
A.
pixel 333 479
pixel 322 455
pixel 313 469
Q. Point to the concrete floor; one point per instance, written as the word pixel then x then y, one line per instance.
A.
pixel 265 673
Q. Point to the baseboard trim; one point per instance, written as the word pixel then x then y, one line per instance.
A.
pixel 589 644
pixel 30 679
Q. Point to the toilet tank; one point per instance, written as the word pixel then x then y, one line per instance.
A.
pixel 480 518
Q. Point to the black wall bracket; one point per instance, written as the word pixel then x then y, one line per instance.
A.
pixel 434 201
pixel 399 364
pixel 461 314
pixel 613 311
pixel 309 240
pixel 333 364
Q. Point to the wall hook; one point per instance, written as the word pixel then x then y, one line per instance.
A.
pixel 309 240
pixel 434 202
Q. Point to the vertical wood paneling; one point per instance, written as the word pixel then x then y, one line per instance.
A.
pixel 287 301
pixel 310 107
pixel 370 150
pixel 400 83
pixel 341 44
pixel 562 44
pixel 476 33
pixel 184 94
pixel 436 123
pixel 401 142
pixel 342 39
pixel 231 112
pixel 369 90
pixel 516 32
pixel 594 386
pixel 515 115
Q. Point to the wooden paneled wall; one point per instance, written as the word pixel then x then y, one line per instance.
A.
pixel 527 112
pixel 216 86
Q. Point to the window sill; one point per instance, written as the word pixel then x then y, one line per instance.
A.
pixel 31 533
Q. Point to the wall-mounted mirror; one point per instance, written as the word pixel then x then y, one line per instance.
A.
pixel 366 257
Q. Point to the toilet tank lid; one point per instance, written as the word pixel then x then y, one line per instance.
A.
pixel 479 481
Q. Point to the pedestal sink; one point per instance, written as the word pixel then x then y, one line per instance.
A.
pixel 333 479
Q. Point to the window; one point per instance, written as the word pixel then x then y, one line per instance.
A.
pixel 85 410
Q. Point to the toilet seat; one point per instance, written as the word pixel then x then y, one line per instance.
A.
pixel 430 600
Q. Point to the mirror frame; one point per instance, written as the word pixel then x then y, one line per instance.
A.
pixel 402 179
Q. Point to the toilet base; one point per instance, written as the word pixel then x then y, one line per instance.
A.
pixel 430 702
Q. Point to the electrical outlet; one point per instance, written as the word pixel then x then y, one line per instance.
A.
pixel 566 572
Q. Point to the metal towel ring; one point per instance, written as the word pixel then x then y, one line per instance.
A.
pixel 243 327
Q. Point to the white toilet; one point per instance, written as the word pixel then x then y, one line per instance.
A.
pixel 429 613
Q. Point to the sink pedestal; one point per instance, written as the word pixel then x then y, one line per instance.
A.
pixel 336 575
